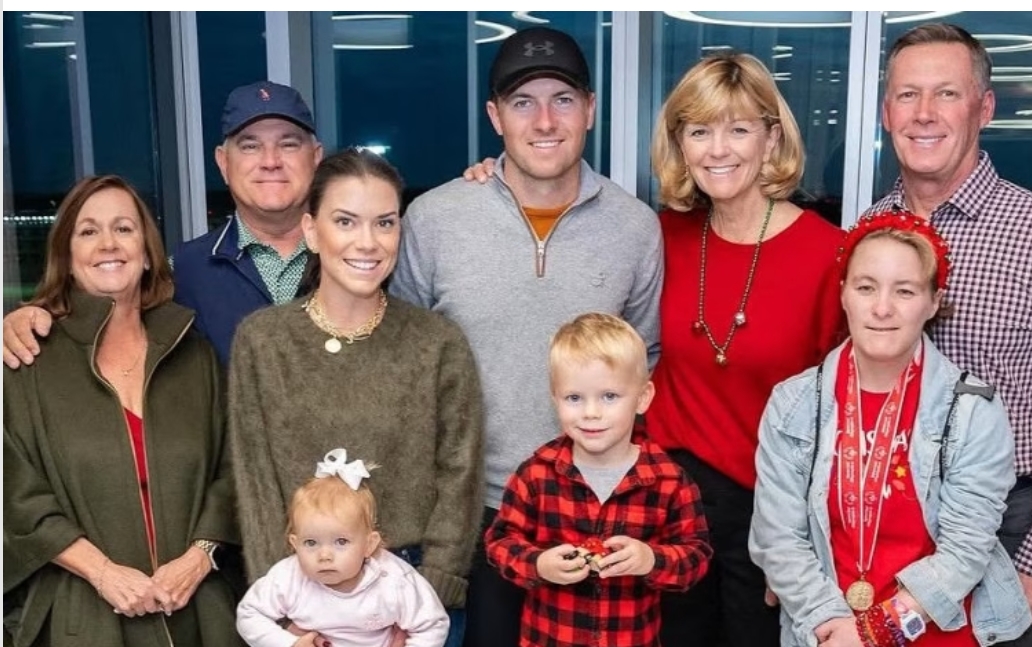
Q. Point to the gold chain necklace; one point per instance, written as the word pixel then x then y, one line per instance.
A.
pixel 333 345
pixel 700 326
pixel 126 371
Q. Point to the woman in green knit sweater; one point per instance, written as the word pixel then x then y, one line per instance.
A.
pixel 349 367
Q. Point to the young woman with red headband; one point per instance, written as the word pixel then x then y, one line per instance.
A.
pixel 882 473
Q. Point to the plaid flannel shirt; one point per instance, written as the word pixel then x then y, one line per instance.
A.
pixel 988 224
pixel 548 503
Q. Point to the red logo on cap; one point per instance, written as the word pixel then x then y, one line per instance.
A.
pixel 263 94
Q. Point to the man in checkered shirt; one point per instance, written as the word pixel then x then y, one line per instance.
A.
pixel 937 99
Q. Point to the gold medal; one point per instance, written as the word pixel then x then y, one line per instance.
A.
pixel 860 595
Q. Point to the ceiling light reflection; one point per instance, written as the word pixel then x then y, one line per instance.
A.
pixel 804 19
pixel 525 16
pixel 501 32
pixel 1024 39
pixel 1011 74
pixel 48 16
pixel 51 45
pixel 1011 124
pixel 371 31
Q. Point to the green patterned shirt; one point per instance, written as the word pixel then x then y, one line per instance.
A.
pixel 282 276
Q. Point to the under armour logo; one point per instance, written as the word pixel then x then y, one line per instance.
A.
pixel 531 50
pixel 263 94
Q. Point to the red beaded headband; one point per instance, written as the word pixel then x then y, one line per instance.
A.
pixel 902 221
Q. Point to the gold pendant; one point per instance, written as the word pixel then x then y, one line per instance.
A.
pixel 721 359
pixel 332 345
pixel 860 595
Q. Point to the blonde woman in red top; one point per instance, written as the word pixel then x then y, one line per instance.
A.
pixel 750 297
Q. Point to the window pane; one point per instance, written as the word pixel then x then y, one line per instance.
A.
pixel 67 114
pixel 121 97
pixel 38 62
pixel 1008 138
pixel 400 88
pixel 808 54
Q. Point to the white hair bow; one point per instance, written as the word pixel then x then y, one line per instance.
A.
pixel 335 464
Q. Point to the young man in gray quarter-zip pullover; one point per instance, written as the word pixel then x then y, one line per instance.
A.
pixel 471 252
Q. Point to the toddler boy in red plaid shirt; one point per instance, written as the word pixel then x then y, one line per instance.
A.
pixel 598 521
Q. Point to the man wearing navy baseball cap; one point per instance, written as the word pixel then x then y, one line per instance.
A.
pixel 250 103
pixel 267 158
pixel 510 260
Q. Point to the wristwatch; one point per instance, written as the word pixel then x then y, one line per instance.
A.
pixel 209 547
pixel 911 624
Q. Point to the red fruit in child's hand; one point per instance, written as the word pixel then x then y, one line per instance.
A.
pixel 594 546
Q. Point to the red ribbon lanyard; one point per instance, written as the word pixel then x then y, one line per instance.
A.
pixel 862 470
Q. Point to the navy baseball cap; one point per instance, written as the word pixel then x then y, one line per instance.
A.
pixel 256 101
pixel 536 53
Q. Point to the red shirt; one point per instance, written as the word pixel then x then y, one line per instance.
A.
pixel 547 503
pixel 793 318
pixel 902 535
pixel 136 437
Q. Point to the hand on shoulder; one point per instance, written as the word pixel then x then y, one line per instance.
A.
pixel 481 171
pixel 21 328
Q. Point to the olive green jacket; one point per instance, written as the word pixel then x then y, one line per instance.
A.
pixel 69 472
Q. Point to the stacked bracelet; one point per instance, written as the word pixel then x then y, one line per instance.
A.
pixel 878 627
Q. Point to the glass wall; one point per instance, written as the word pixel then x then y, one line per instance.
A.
pixel 413 85
pixel 79 99
pixel 808 54
pixel 399 87
pixel 1008 138
pixel 80 88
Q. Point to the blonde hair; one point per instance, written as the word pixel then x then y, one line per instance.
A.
pixel 332 496
pixel 925 254
pixel 724 86
pixel 598 336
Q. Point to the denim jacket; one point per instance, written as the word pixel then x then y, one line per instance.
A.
pixel 962 512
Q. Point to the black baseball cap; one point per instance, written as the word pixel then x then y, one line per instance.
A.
pixel 536 53
pixel 249 103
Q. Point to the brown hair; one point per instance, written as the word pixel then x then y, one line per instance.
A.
pixel 734 86
pixel 599 336
pixel 54 289
pixel 352 162
pixel 940 32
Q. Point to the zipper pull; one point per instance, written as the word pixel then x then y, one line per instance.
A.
pixel 540 258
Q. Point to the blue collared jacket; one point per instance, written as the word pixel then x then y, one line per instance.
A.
pixel 221 283
pixel 790 539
